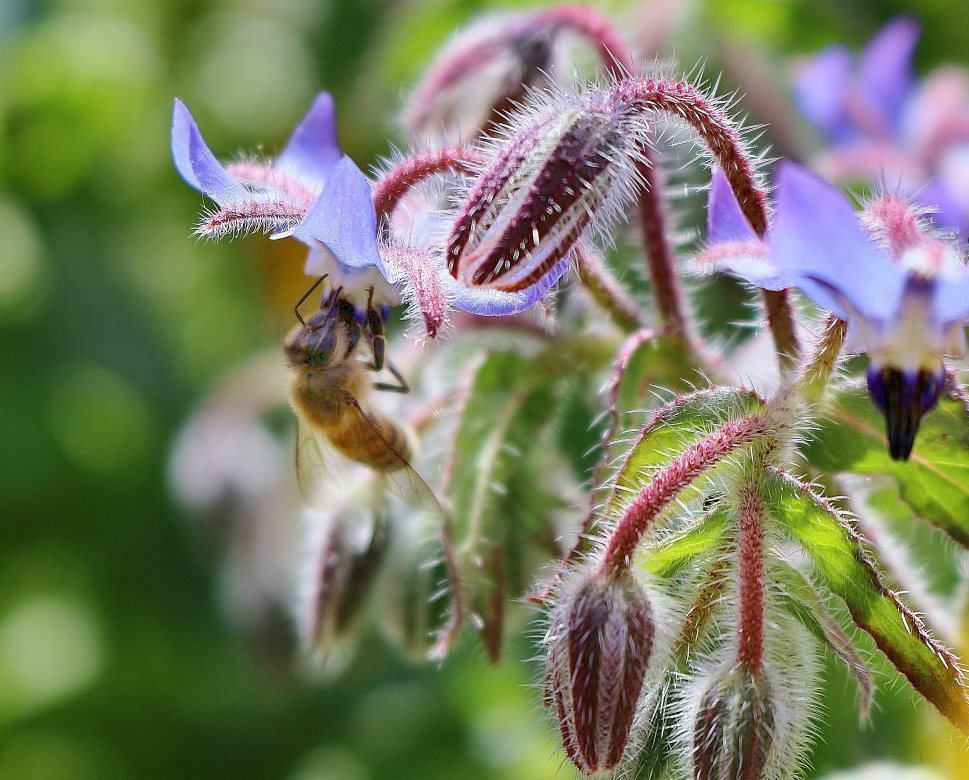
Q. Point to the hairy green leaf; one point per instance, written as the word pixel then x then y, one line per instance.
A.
pixel 801 599
pixel 839 553
pixel 699 540
pixel 493 521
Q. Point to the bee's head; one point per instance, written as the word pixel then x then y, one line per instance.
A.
pixel 318 343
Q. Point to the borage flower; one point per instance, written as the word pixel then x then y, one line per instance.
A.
pixel 882 123
pixel 311 192
pixel 903 291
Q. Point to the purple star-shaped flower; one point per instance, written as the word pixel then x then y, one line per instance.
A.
pixel 903 292
pixel 311 191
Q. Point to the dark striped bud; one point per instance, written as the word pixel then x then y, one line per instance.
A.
pixel 566 167
pixel 600 642
pixel 734 729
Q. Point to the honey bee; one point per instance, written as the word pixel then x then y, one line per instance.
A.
pixel 329 387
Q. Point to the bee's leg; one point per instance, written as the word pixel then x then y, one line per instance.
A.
pixel 353 326
pixel 302 300
pixel 375 332
pixel 400 387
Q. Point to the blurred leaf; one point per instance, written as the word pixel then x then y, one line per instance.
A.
pixel 899 633
pixel 510 401
pixel 934 482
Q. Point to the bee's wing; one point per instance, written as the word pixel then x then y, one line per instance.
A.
pixel 314 463
pixel 405 481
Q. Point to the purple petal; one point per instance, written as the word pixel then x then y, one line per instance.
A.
pixel 885 71
pixel 725 220
pixel 937 194
pixel 951 300
pixel 489 302
pixel 195 161
pixel 816 239
pixel 820 88
pixel 748 260
pixel 312 150
pixel 343 219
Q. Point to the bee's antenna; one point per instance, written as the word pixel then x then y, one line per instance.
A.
pixel 302 300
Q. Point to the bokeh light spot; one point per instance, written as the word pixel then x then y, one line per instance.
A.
pixel 49 649
pixel 100 420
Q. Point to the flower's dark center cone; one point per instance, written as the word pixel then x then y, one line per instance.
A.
pixel 903 397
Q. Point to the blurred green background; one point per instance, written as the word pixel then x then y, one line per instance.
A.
pixel 115 658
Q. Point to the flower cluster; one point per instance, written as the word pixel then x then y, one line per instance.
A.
pixel 681 636
pixel 882 123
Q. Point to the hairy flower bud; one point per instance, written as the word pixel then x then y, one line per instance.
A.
pixel 566 167
pixel 341 574
pixel 480 74
pixel 600 641
pixel 734 728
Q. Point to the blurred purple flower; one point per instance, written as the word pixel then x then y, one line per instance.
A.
pixel 883 124
pixel 311 191
pixel 847 96
pixel 903 292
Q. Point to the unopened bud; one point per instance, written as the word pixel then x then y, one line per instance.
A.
pixel 481 74
pixel 341 575
pixel 734 729
pixel 571 166
pixel 600 643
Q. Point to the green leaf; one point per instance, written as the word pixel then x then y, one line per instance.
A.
pixel 841 558
pixel 697 541
pixel 934 481
pixel 493 521
pixel 672 429
pixel 803 602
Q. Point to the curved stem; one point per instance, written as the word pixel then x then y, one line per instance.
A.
pixel 683 101
pixel 396 182
pixel 671 481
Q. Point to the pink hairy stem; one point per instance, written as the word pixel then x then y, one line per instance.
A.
pixel 723 141
pixel 666 485
pixel 396 182
pixel 750 645
pixel 251 215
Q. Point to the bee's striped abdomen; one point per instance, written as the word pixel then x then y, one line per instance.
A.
pixel 374 440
